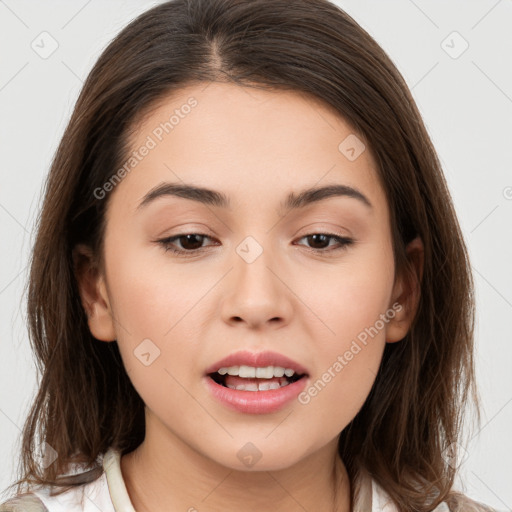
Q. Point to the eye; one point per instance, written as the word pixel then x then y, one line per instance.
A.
pixel 190 244
pixel 321 241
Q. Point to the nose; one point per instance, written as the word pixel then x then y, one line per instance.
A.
pixel 256 294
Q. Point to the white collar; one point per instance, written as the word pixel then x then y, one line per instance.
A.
pixel 369 495
pixel 109 494
pixel 117 488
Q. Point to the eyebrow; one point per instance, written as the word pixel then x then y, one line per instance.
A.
pixel 218 199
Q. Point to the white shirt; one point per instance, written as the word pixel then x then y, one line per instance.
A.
pixel 108 494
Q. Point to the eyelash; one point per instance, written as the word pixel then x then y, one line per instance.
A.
pixel 343 242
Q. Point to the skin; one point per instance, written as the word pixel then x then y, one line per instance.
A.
pixel 256 147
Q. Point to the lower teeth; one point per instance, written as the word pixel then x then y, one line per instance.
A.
pixel 263 386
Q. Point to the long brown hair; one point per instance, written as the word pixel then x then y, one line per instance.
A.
pixel 86 403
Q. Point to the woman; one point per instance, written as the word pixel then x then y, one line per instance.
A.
pixel 317 352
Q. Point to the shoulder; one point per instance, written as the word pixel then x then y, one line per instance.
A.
pixel 85 490
pixel 370 496
pixel 23 503
pixel 79 491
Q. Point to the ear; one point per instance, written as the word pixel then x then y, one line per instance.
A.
pixel 406 292
pixel 93 294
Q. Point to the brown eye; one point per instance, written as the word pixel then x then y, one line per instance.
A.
pixel 191 242
pixel 184 243
pixel 321 242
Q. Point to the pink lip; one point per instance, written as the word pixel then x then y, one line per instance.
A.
pixel 257 359
pixel 256 402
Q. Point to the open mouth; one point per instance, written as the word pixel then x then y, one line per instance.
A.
pixel 255 383
pixel 248 378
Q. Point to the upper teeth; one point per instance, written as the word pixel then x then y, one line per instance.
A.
pixel 265 372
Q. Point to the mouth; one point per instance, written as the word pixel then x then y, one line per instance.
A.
pixel 250 378
pixel 255 383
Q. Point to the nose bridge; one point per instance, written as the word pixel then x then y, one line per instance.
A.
pixel 256 295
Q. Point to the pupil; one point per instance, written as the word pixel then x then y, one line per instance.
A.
pixel 315 239
pixel 188 238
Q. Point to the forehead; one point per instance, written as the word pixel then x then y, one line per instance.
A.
pixel 247 142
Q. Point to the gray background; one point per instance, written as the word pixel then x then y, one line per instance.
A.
pixel 464 97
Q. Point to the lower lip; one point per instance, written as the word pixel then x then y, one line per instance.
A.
pixel 256 402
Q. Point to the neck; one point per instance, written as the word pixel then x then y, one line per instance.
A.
pixel 167 475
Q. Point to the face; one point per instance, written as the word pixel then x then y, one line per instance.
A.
pixel 194 277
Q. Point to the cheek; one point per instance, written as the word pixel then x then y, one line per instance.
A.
pixel 347 361
pixel 153 305
pixel 149 294
pixel 353 305
pixel 332 399
pixel 350 297
pixel 156 339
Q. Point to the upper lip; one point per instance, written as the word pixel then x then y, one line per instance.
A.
pixel 257 359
